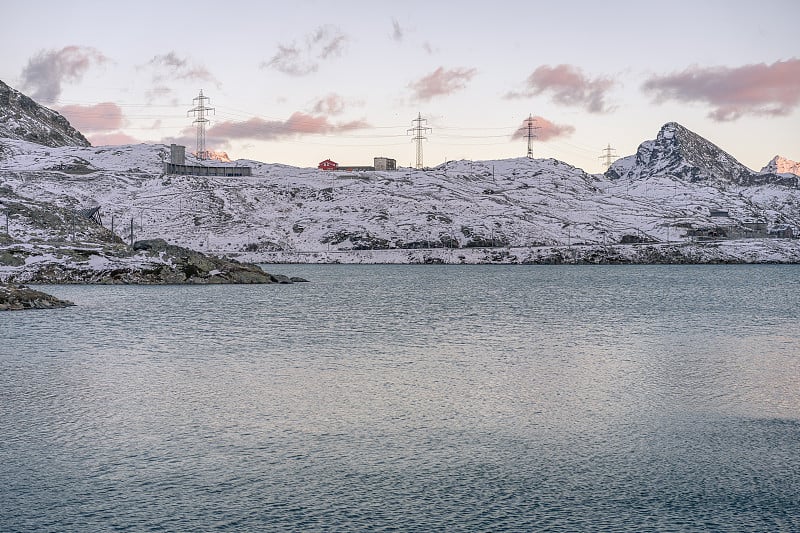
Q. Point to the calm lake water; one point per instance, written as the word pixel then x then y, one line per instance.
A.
pixel 410 398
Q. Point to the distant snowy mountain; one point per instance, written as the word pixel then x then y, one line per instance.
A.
pixel 22 118
pixel 781 165
pixel 681 153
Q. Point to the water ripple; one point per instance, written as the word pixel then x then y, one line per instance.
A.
pixel 412 399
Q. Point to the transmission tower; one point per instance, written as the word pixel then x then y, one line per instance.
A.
pixel 529 124
pixel 419 135
pixel 200 110
pixel 607 156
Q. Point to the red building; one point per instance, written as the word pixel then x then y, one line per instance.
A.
pixel 328 165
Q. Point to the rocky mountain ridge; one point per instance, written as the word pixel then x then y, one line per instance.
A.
pixel 24 119
pixel 679 152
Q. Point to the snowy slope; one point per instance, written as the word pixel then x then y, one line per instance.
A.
pixel 287 212
pixel 515 210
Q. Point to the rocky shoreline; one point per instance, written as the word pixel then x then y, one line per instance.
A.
pixel 20 297
pixel 152 262
pixel 753 251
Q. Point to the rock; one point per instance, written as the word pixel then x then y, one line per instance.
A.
pixel 153 262
pixel 296 279
pixel 19 297
pixel 182 265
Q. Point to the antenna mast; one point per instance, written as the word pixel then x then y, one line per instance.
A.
pixel 529 123
pixel 419 136
pixel 199 111
pixel 607 156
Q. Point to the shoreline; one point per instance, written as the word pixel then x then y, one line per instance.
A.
pixel 754 251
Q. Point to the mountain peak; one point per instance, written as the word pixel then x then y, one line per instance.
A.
pixel 781 165
pixel 678 151
pixel 669 131
pixel 22 118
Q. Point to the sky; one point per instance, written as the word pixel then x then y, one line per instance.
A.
pixel 302 81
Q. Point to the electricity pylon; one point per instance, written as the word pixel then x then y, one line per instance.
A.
pixel 419 135
pixel 607 156
pixel 200 113
pixel 529 123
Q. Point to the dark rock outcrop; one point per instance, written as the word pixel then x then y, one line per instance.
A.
pixel 182 265
pixel 153 262
pixel 19 297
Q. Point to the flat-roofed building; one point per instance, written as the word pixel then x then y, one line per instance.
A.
pixel 385 163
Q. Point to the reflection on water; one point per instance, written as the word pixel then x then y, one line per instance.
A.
pixel 437 397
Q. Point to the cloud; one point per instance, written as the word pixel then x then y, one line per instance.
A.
pixel 171 67
pixel 268 130
pixel 545 130
pixel 442 82
pixel 332 104
pixel 188 137
pixel 48 69
pixel 567 85
pixel 99 117
pixel 326 42
pixel 397 31
pixel 757 89
pixel 111 139
pixel 160 93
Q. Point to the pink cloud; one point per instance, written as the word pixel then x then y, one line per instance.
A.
pixel 758 89
pixel 545 131
pixel 442 82
pixel 112 139
pixel 266 130
pixel 332 104
pixel 99 117
pixel 48 69
pixel 567 85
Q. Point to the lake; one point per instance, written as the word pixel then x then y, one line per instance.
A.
pixel 410 398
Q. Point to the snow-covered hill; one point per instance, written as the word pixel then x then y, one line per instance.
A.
pixel 512 210
pixel 22 118
pixel 287 212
